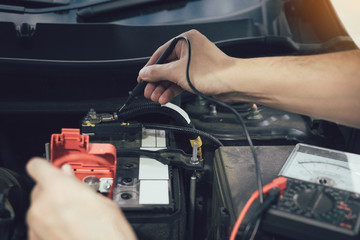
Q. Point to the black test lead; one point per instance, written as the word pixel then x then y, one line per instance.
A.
pixel 139 88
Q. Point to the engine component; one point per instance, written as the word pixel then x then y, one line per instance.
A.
pixel 263 123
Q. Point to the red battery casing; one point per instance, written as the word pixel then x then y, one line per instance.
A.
pixel 86 159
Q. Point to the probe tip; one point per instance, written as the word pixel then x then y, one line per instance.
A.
pixel 122 107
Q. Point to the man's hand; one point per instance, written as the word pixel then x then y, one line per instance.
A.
pixel 208 70
pixel 324 86
pixel 62 207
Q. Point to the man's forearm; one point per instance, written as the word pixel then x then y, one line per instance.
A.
pixel 324 86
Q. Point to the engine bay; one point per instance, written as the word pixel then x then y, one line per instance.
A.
pixel 184 168
pixel 159 173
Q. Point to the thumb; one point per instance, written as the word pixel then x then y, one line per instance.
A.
pixel 41 170
pixel 66 168
pixel 156 72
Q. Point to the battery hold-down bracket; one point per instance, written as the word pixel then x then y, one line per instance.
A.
pixel 92 163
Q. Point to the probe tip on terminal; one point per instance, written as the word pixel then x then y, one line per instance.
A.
pixel 122 107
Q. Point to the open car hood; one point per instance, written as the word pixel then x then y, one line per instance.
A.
pixel 133 33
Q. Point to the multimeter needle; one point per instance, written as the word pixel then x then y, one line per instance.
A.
pixel 141 85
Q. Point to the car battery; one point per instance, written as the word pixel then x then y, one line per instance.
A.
pixel 150 193
pixel 235 181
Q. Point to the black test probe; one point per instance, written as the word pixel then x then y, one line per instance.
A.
pixel 139 88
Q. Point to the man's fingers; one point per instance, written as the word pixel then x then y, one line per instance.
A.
pixel 170 93
pixel 32 235
pixel 162 92
pixel 159 90
pixel 149 88
pixel 43 172
pixel 36 191
pixel 67 169
pixel 39 169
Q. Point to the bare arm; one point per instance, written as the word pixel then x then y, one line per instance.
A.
pixel 324 86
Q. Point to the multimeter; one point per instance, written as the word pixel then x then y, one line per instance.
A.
pixel 322 198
